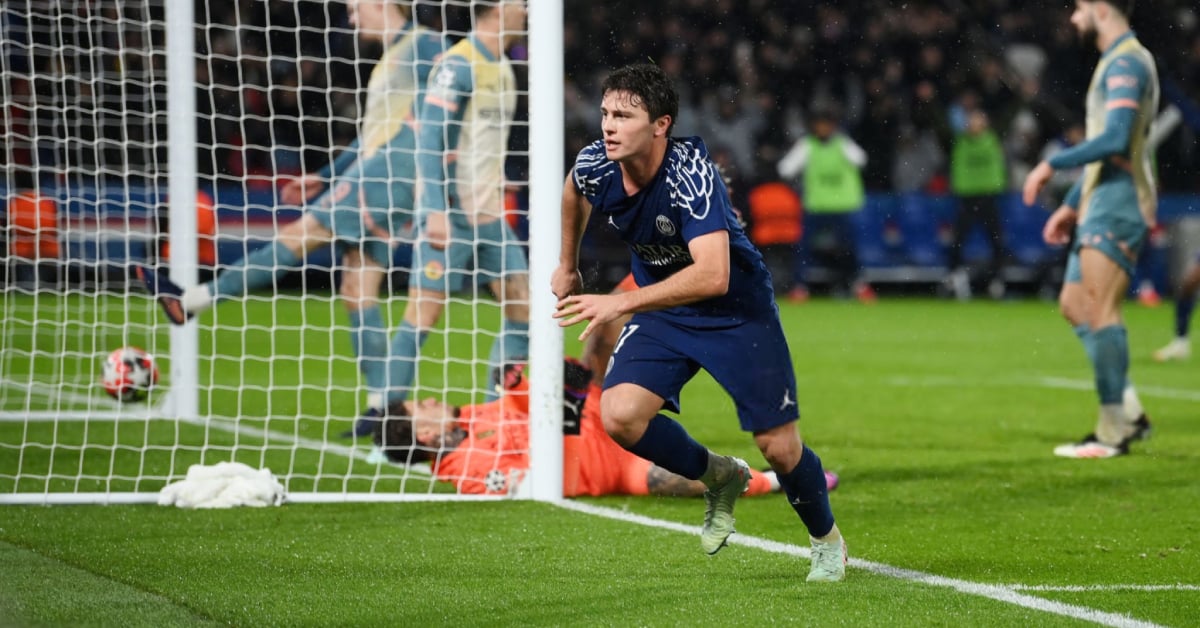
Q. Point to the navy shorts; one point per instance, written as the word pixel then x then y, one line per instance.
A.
pixel 750 361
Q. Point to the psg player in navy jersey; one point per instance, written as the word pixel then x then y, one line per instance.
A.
pixel 704 301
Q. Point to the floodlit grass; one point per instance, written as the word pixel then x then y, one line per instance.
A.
pixel 939 416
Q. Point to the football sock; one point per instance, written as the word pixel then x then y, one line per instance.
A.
pixel 1183 314
pixel 1110 362
pixel 1133 404
pixel 259 269
pixel 806 492
pixel 402 363
pixel 1113 425
pixel 370 345
pixel 1084 331
pixel 511 344
pixel 196 298
pixel 668 445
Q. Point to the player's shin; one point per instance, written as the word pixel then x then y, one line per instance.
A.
pixel 807 493
pixel 369 340
pixel 668 445
pixel 402 363
pixel 257 270
pixel 511 345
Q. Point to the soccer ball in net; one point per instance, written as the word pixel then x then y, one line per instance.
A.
pixel 129 373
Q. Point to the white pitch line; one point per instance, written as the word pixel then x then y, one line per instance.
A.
pixel 1085 588
pixel 229 426
pixel 1000 593
pixel 1065 383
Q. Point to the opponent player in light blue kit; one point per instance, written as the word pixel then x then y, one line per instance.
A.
pixel 703 301
pixel 463 143
pixel 1111 208
pixel 365 206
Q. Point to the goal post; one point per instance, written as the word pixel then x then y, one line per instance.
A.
pixel 119 114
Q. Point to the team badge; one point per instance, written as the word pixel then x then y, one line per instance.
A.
pixel 340 192
pixel 434 271
pixel 664 225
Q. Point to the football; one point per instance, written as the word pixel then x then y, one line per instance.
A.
pixel 129 374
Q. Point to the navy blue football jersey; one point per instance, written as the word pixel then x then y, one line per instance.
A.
pixel 686 199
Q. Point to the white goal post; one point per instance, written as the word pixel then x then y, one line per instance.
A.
pixel 111 109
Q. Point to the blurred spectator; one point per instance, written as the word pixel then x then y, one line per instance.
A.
pixel 978 177
pixel 918 159
pixel 833 193
pixel 292 67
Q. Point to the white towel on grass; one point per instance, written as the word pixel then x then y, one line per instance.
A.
pixel 223 485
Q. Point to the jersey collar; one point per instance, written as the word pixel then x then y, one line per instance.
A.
pixel 1117 42
pixel 487 54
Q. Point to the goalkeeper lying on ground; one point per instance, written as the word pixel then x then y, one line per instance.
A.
pixel 483 448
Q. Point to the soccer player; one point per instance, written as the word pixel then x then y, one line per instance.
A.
pixel 1110 208
pixel 703 300
pixel 365 203
pixel 1180 347
pixel 483 448
pixel 464 128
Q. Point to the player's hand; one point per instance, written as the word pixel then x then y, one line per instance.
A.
pixel 437 230
pixel 566 281
pixel 1035 181
pixel 301 189
pixel 597 309
pixel 1058 228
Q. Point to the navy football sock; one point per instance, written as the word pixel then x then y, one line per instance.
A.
pixel 1183 314
pixel 668 445
pixel 806 492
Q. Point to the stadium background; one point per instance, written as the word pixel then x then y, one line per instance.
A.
pixel 747 72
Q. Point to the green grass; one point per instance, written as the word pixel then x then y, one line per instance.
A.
pixel 939 416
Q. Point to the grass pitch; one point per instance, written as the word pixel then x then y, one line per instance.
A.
pixel 939 416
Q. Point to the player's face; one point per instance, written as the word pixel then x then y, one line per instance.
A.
pixel 512 18
pixel 371 18
pixel 1084 21
pixel 431 420
pixel 627 127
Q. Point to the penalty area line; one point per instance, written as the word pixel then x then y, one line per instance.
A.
pixel 1001 593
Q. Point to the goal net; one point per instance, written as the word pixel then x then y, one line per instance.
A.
pixel 145 133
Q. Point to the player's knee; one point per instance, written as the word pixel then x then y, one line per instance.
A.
pixel 780 446
pixel 622 420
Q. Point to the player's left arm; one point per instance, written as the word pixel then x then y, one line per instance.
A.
pixel 854 152
pixel 438 127
pixel 1125 80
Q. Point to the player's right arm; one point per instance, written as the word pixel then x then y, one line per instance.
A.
pixel 576 210
pixel 1058 227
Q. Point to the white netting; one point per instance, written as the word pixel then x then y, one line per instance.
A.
pixel 281 87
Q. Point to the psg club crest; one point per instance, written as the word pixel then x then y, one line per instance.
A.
pixel 664 225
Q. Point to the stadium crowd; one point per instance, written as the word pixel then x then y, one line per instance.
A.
pixel 279 81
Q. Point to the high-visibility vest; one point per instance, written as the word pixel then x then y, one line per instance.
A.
pixel 832 183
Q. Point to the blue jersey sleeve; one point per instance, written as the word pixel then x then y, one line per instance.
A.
pixel 1074 195
pixel 1124 80
pixel 700 194
pixel 585 175
pixel 450 86
pixel 342 162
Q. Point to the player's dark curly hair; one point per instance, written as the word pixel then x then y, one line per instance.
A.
pixel 649 87
pixel 1124 6
pixel 396 438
